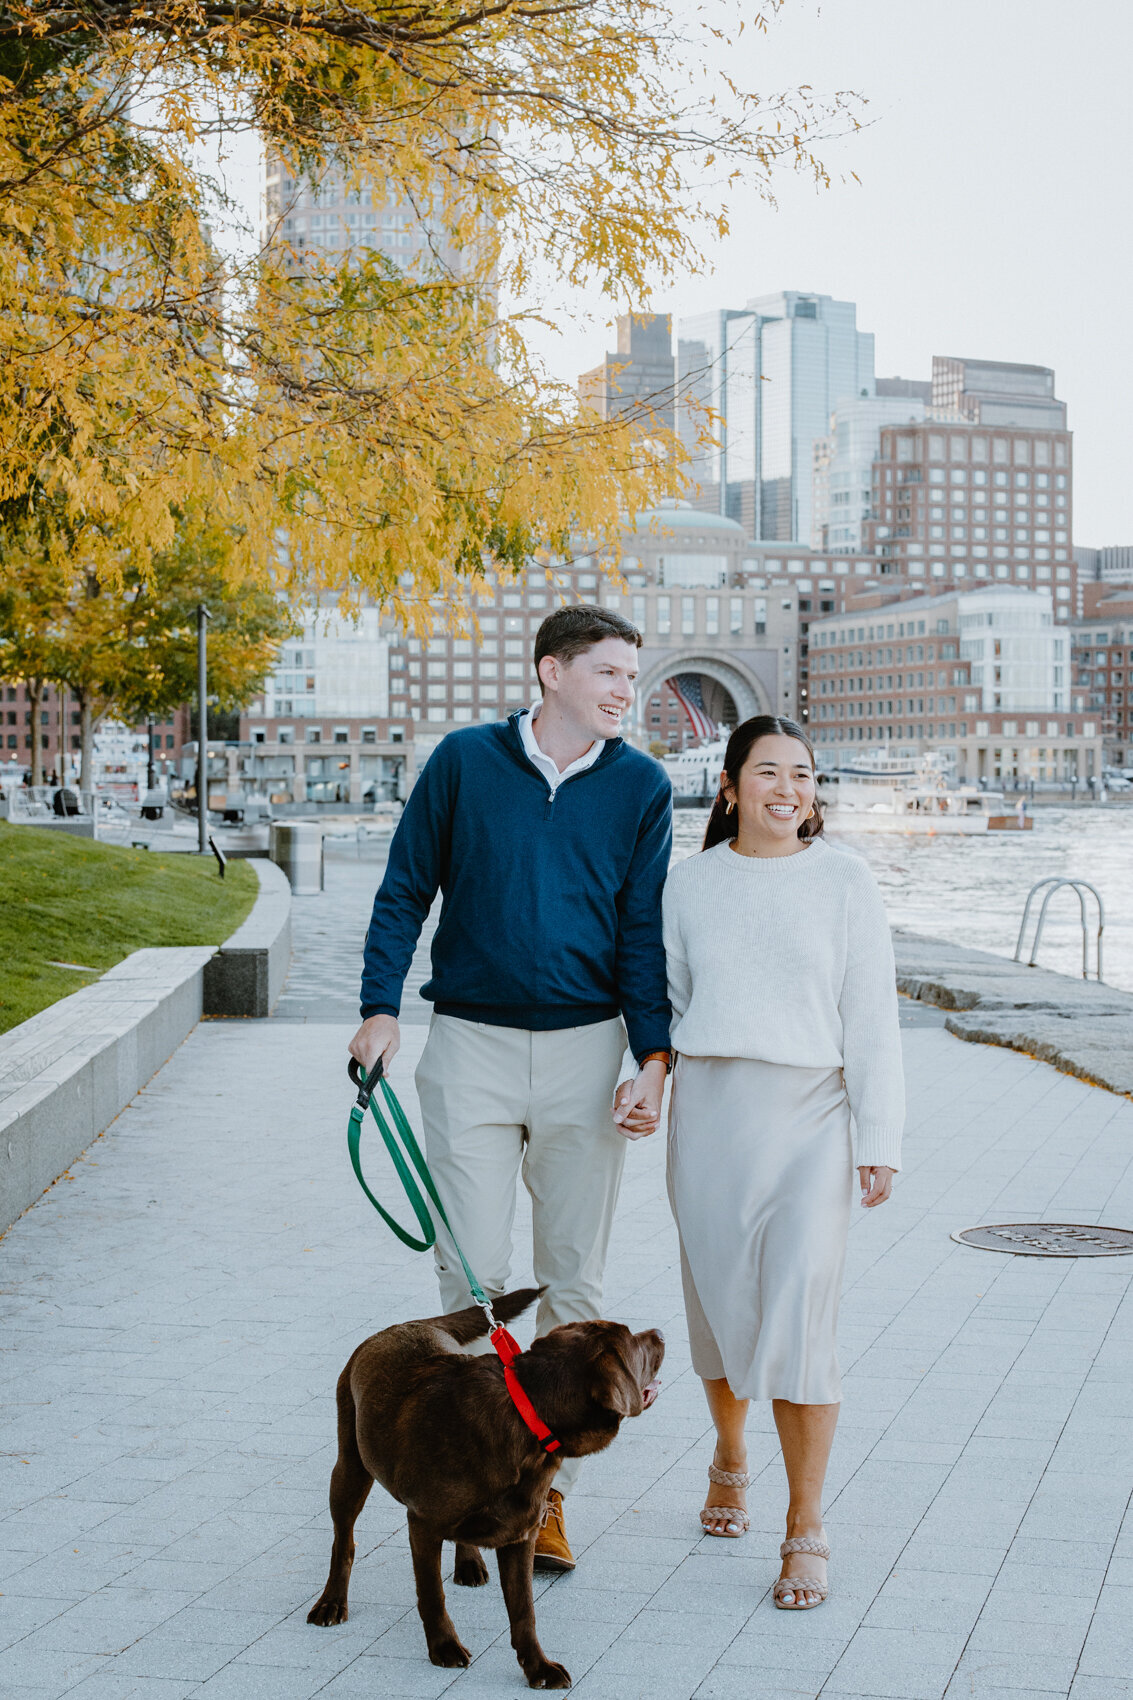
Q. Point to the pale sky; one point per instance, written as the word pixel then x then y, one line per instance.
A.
pixel 992 218
pixel 993 215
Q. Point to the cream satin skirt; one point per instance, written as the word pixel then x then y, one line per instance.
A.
pixel 760 1179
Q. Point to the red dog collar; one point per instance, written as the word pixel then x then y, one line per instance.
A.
pixel 509 1349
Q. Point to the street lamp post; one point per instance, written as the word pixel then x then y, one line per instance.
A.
pixel 202 730
pixel 149 753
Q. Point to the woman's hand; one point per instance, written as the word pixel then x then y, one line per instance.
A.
pixel 877 1183
pixel 637 1103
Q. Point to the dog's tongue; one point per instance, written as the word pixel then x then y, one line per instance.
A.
pixel 650 1393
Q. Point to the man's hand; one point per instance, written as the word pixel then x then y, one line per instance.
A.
pixel 876 1183
pixel 637 1102
pixel 378 1036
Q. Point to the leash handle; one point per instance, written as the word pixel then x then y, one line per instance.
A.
pixel 400 1142
pixel 365 1083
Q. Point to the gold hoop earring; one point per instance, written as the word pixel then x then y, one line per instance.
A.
pixel 730 806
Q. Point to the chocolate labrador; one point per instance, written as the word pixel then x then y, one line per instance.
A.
pixel 439 1429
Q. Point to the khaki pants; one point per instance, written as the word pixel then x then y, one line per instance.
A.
pixel 500 1101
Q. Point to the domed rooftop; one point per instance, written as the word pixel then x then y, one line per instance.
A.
pixel 682 516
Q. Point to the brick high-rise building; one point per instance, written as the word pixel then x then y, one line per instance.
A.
pixel 956 503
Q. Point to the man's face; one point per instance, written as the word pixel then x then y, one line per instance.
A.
pixel 595 690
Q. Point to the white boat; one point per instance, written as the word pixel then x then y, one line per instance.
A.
pixel 887 793
pixel 695 772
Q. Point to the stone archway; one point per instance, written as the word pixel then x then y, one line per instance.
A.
pixel 747 693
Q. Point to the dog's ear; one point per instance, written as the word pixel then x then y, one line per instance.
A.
pixel 613 1386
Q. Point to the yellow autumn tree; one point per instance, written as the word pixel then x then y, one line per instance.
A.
pixel 350 424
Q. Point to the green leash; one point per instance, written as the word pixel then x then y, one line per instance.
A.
pixel 402 1131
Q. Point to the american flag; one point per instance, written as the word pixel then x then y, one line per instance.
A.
pixel 686 689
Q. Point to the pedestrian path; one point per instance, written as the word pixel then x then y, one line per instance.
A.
pixel 177 1310
pixel 328 929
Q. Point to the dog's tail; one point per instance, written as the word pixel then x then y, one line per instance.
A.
pixel 471 1324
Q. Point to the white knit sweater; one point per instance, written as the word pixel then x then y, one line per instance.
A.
pixel 788 959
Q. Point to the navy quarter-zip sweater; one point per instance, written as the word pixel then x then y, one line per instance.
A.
pixel 552 905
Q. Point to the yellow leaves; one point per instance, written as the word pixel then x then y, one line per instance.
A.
pixel 341 423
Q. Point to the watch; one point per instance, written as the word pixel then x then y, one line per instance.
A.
pixel 658 1056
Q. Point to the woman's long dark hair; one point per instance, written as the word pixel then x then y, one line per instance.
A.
pixel 721 824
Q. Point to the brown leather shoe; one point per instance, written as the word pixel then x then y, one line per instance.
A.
pixel 552 1550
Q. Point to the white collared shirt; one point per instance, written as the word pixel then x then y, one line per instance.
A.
pixel 543 761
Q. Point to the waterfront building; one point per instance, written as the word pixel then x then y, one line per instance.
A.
pixel 982 675
pixel 710 603
pixel 960 503
pixel 639 376
pixel 996 392
pixel 772 373
pixel 1102 661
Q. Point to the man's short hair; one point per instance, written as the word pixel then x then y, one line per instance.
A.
pixel 572 631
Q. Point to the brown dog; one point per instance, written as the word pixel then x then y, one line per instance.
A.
pixel 439 1430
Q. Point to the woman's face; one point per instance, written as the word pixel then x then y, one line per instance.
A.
pixel 774 793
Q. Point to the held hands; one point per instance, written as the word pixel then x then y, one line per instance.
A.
pixel 378 1036
pixel 637 1102
pixel 877 1184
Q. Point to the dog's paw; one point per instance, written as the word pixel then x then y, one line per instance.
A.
pixel 470 1572
pixel 547 1674
pixel 450 1653
pixel 327 1611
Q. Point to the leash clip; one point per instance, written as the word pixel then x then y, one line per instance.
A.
pixel 367 1084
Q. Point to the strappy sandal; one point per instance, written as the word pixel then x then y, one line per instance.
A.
pixel 735 1522
pixel 801 1584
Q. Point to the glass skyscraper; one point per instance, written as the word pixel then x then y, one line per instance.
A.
pixel 773 372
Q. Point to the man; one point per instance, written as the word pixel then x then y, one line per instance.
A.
pixel 549 838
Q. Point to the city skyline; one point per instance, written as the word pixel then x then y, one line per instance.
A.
pixel 981 221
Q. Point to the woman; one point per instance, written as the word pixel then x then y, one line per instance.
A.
pixel 785 1025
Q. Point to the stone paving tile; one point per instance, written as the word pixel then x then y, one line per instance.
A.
pixel 180 1310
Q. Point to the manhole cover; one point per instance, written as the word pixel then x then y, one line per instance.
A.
pixel 1049 1239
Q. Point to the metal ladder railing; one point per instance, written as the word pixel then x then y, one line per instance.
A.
pixel 1055 882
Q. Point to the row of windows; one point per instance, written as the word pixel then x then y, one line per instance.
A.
pixel 978 479
pixel 314 734
pixel 1000 451
pixel 13 741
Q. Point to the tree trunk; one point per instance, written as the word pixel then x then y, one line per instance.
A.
pixel 35 697
pixel 86 743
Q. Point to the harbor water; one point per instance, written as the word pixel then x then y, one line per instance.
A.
pixel 971 891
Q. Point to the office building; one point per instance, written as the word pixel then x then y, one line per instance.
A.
pixel 996 392
pixel 329 215
pixel 638 378
pixel 1112 565
pixel 906 389
pixel 717 413
pixel 956 502
pixel 982 675
pixel 843 467
pixel 772 373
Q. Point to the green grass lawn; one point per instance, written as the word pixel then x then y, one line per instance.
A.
pixel 65 899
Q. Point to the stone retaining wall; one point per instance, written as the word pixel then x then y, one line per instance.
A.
pixel 69 1071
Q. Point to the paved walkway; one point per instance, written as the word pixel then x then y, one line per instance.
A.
pixel 178 1308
